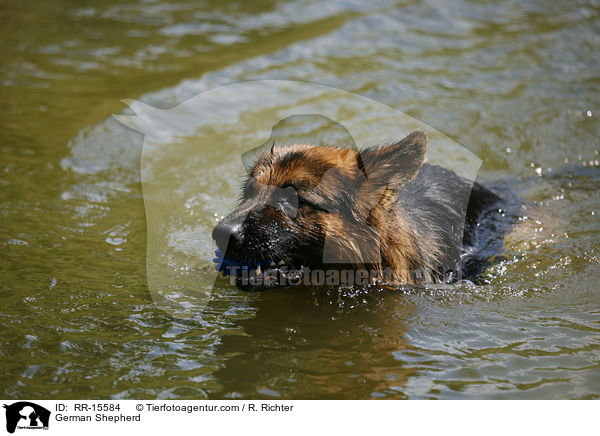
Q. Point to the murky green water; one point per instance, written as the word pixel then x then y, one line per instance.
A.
pixel 516 83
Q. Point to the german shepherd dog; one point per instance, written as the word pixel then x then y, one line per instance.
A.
pixel 380 210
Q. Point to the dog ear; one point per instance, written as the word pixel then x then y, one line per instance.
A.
pixel 393 166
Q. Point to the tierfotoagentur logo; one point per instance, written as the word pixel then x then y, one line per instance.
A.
pixel 247 129
pixel 25 415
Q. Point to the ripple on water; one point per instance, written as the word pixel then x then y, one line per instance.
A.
pixel 504 81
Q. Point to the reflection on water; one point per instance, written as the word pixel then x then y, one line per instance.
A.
pixel 318 345
pixel 504 80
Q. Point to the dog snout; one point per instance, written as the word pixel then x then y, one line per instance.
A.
pixel 226 233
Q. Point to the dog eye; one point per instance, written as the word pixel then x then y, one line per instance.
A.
pixel 302 201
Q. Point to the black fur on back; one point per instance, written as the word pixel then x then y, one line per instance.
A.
pixel 444 209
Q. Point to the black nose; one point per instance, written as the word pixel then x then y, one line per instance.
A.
pixel 225 234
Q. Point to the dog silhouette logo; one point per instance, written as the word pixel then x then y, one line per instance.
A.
pixel 26 415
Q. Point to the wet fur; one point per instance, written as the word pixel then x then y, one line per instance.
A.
pixel 377 209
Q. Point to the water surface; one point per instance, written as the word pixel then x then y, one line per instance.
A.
pixel 517 84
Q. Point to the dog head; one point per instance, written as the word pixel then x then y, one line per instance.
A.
pixel 306 206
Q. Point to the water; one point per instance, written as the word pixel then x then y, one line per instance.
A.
pixel 517 84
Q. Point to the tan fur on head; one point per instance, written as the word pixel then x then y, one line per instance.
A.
pixel 373 178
